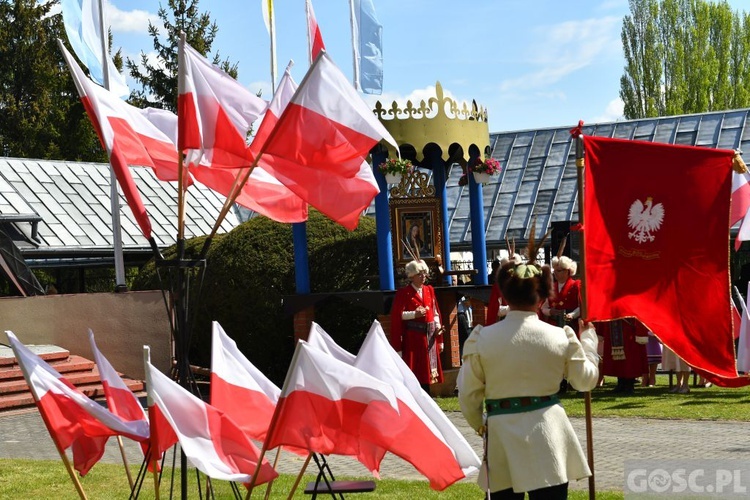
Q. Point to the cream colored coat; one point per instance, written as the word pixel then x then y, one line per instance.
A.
pixel 524 356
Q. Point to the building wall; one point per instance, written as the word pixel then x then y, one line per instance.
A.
pixel 122 324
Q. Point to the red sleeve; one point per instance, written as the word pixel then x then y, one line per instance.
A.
pixel 493 306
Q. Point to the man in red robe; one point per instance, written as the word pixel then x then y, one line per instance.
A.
pixel 624 351
pixel 564 307
pixel 415 326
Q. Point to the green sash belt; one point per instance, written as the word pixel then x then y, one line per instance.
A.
pixel 518 405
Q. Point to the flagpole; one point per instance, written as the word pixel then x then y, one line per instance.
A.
pixel 275 417
pixel 309 38
pixel 270 483
pixel 114 196
pixel 151 418
pixel 580 164
pixel 355 44
pixel 52 434
pixel 299 476
pixel 272 33
pixel 125 461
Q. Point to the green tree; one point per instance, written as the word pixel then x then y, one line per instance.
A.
pixel 42 116
pixel 159 79
pixel 684 56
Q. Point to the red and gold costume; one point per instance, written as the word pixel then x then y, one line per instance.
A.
pixel 624 356
pixel 419 339
pixel 494 306
pixel 567 299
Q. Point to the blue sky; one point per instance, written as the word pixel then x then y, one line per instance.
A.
pixel 531 63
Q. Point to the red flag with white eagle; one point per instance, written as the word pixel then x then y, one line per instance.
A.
pixel 211 440
pixel 317 142
pixel 73 419
pixel 655 235
pixel 128 137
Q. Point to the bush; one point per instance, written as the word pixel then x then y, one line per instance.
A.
pixel 251 269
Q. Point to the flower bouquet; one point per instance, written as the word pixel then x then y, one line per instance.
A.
pixel 395 168
pixel 483 169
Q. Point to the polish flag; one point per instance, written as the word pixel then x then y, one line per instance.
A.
pixel 424 437
pixel 72 419
pixel 129 138
pixel 238 388
pixel 215 112
pixel 330 407
pixel 215 115
pixel 120 400
pixel 314 38
pixel 740 206
pixel 318 143
pixel 743 347
pixel 320 339
pixel 211 440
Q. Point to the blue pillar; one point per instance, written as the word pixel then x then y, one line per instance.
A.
pixel 301 265
pixel 383 225
pixel 438 175
pixel 478 240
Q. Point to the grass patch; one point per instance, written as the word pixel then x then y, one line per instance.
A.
pixel 711 403
pixel 48 479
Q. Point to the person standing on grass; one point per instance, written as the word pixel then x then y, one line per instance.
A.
pixel 513 369
pixel 415 326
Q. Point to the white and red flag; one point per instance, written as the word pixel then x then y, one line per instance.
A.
pixel 330 407
pixel 317 146
pixel 211 440
pixel 73 419
pixel 129 138
pixel 314 37
pixel 120 400
pixel 215 112
pixel 238 388
pixel 319 338
pixel 740 206
pixel 424 436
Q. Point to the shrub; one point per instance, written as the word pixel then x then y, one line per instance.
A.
pixel 251 269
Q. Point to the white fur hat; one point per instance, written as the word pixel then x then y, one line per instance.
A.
pixel 517 259
pixel 415 267
pixel 565 263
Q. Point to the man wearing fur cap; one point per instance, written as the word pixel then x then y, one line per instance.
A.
pixel 564 307
pixel 415 326
pixel 497 308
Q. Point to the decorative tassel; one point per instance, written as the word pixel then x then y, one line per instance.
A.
pixel 738 164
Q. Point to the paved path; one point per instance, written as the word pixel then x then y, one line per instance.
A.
pixel 22 435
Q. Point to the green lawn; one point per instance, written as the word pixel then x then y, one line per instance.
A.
pixel 712 403
pixel 107 481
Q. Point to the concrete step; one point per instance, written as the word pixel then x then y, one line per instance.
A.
pixel 79 371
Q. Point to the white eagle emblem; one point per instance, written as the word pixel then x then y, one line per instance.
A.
pixel 645 219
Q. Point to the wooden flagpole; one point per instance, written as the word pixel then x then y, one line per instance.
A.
pixel 580 164
pixel 270 483
pixel 272 424
pixel 299 476
pixel 125 462
pixel 52 434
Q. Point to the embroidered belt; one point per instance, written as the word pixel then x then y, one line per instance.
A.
pixel 416 325
pixel 518 405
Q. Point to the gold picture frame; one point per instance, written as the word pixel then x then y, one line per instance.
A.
pixel 416 220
